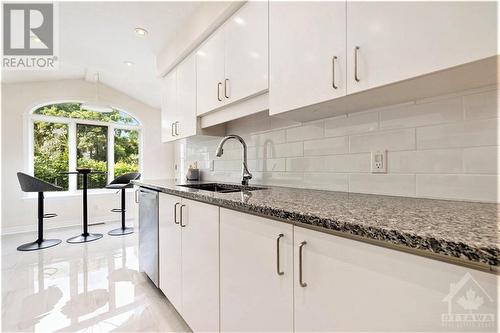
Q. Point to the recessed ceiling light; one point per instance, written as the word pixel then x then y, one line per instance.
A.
pixel 141 32
pixel 129 63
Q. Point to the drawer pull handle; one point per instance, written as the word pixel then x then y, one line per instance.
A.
pixel 356 53
pixel 175 212
pixel 218 91
pixel 182 219
pixel 334 60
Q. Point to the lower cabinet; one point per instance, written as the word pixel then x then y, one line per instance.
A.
pixel 189 260
pixel 346 285
pixel 256 273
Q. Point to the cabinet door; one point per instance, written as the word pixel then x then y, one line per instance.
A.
pixel 210 74
pixel 246 47
pixel 170 250
pixel 354 286
pixel 254 296
pixel 186 97
pixel 200 266
pixel 400 40
pixel 169 106
pixel 304 39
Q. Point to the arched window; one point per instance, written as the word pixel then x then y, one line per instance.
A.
pixel 65 137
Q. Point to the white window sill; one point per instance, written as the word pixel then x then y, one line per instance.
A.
pixel 78 193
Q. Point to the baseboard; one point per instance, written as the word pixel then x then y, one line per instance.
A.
pixel 58 224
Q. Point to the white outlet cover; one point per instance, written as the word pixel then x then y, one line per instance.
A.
pixel 379 161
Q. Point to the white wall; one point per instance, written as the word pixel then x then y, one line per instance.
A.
pixel 444 147
pixel 19 212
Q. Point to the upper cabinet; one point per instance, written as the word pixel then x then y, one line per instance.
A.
pixel 393 41
pixel 323 51
pixel 233 62
pixel 307 53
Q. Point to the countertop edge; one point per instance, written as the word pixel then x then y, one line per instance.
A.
pixel 455 253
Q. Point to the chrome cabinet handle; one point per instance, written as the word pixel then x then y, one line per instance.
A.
pixel 182 225
pixel 356 52
pixel 218 91
pixel 301 281
pixel 226 81
pixel 334 59
pixel 175 212
pixel 136 196
pixel 172 129
pixel 278 255
pixel 176 128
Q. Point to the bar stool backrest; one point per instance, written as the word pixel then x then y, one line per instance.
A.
pixel 126 178
pixel 32 184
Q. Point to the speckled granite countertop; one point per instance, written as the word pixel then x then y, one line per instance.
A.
pixel 464 230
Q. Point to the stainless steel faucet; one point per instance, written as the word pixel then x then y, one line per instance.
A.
pixel 246 175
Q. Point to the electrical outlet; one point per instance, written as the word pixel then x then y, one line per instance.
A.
pixel 212 165
pixel 379 161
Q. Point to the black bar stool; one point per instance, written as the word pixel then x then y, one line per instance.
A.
pixel 31 184
pixel 121 183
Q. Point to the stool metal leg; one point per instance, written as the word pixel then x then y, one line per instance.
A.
pixel 40 243
pixel 123 230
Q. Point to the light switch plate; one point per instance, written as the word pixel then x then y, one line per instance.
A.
pixel 379 161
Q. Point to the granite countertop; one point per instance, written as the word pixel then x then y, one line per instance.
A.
pixel 464 230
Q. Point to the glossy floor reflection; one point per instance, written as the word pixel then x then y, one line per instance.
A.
pixel 95 287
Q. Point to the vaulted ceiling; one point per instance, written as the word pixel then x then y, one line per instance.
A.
pixel 99 37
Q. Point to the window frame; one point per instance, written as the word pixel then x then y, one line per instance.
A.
pixel 72 142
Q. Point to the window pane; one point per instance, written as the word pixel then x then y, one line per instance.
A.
pixel 92 150
pixel 74 110
pixel 51 152
pixel 126 151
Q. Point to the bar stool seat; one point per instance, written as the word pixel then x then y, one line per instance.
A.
pixel 32 184
pixel 122 183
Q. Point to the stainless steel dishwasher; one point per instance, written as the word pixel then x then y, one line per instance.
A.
pixel 148 233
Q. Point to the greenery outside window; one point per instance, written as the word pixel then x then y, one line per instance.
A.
pixel 66 137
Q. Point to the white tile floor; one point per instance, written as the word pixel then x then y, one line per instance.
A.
pixel 90 287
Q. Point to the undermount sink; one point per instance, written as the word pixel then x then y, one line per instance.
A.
pixel 223 188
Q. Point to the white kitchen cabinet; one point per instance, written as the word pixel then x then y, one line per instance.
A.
pixel 246 52
pixel 169 108
pixel 401 40
pixel 256 290
pixel 200 265
pixel 170 260
pixel 307 53
pixel 347 285
pixel 189 260
pixel 210 74
pixel 232 64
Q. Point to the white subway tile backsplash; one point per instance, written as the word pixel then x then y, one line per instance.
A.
pixel 442 147
pixel 308 131
pixel 465 134
pixel 351 124
pixel 425 161
pixel 327 181
pixel 483 105
pixel 458 187
pixel 339 145
pixel 481 160
pixel 443 111
pixel 400 185
pixel 403 139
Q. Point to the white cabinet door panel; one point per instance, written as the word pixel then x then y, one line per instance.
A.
pixel 170 251
pixel 354 286
pixel 186 97
pixel 200 266
pixel 246 47
pixel 210 73
pixel 254 297
pixel 304 37
pixel 400 40
pixel 168 106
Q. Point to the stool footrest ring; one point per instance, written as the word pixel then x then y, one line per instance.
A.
pixel 118 210
pixel 49 215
